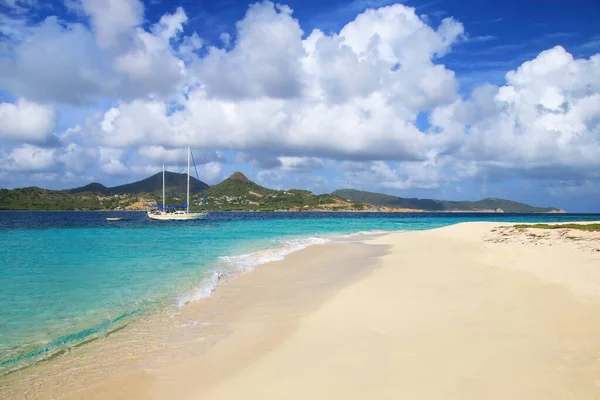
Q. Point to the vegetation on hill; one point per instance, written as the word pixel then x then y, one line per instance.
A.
pixel 176 183
pixel 239 193
pixel 440 205
pixel 237 185
pixel 34 198
pixel 236 193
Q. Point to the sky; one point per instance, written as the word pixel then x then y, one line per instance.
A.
pixel 456 100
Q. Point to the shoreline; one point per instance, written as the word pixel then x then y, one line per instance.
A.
pixel 402 296
pixel 172 324
pixel 330 211
pixel 227 268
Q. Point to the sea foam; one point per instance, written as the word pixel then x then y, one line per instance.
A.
pixel 233 266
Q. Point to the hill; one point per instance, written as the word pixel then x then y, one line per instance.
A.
pixel 237 185
pixel 175 182
pixel 239 193
pixel 489 204
pixel 236 193
pixel 34 198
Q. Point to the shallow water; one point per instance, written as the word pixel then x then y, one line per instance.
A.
pixel 69 277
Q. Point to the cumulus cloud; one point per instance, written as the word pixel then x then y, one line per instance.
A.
pixel 327 95
pixel 429 174
pixel 290 101
pixel 252 68
pixel 28 158
pixel 26 122
pixel 65 62
pixel 113 20
pixel 300 163
pixel 210 172
pixel 159 154
pixel 281 179
pixel 545 121
pixel 111 162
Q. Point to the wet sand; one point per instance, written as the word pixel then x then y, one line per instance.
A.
pixel 260 308
pixel 470 311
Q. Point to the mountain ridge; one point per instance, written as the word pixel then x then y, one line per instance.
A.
pixel 238 193
pixel 148 185
pixel 488 204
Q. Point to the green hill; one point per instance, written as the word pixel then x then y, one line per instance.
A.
pixel 239 193
pixel 176 184
pixel 91 188
pixel 237 185
pixel 440 205
pixel 234 193
pixel 34 198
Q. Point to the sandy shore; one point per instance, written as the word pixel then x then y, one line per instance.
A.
pixel 470 311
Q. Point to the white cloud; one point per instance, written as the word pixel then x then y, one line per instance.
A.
pixel 547 117
pixel 12 28
pixel 28 158
pixel 26 122
pixel 76 159
pixel 159 155
pixel 480 39
pixel 284 99
pixel 300 164
pixel 61 62
pixel 19 6
pixel 265 60
pixel 152 62
pixel 210 172
pixel 113 20
pixel 281 180
pixel 327 95
pixel 111 162
pixel 436 171
pixel 42 67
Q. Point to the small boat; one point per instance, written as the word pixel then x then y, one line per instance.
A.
pixel 114 218
pixel 169 213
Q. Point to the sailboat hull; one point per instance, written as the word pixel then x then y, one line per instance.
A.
pixel 179 215
pixel 176 216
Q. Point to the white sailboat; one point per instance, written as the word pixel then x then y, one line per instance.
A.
pixel 180 215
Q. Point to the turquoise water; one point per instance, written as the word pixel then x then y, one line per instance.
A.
pixel 71 276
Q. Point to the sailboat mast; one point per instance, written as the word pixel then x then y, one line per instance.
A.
pixel 187 203
pixel 163 188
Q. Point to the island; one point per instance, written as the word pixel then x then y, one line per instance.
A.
pixel 238 193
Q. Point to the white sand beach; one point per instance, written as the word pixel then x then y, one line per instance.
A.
pixel 470 311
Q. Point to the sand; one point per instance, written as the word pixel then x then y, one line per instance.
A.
pixel 470 311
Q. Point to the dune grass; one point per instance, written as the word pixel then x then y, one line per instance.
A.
pixel 579 227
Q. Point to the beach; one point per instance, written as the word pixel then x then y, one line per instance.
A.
pixel 469 311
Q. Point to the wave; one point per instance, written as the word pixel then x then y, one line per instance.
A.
pixel 227 267
pixel 205 289
pixel 373 232
pixel 232 266
pixel 63 343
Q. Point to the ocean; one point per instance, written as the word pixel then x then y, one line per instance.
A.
pixel 69 277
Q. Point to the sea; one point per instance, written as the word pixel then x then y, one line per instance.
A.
pixel 67 278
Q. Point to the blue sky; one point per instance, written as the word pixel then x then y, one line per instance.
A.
pixel 439 99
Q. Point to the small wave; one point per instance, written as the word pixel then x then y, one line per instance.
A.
pixel 373 232
pixel 232 266
pixel 247 262
pixel 205 289
pixel 65 342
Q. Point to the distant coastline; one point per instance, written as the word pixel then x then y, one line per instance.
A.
pixel 238 193
pixel 307 211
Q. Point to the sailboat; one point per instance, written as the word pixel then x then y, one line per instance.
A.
pixel 174 214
